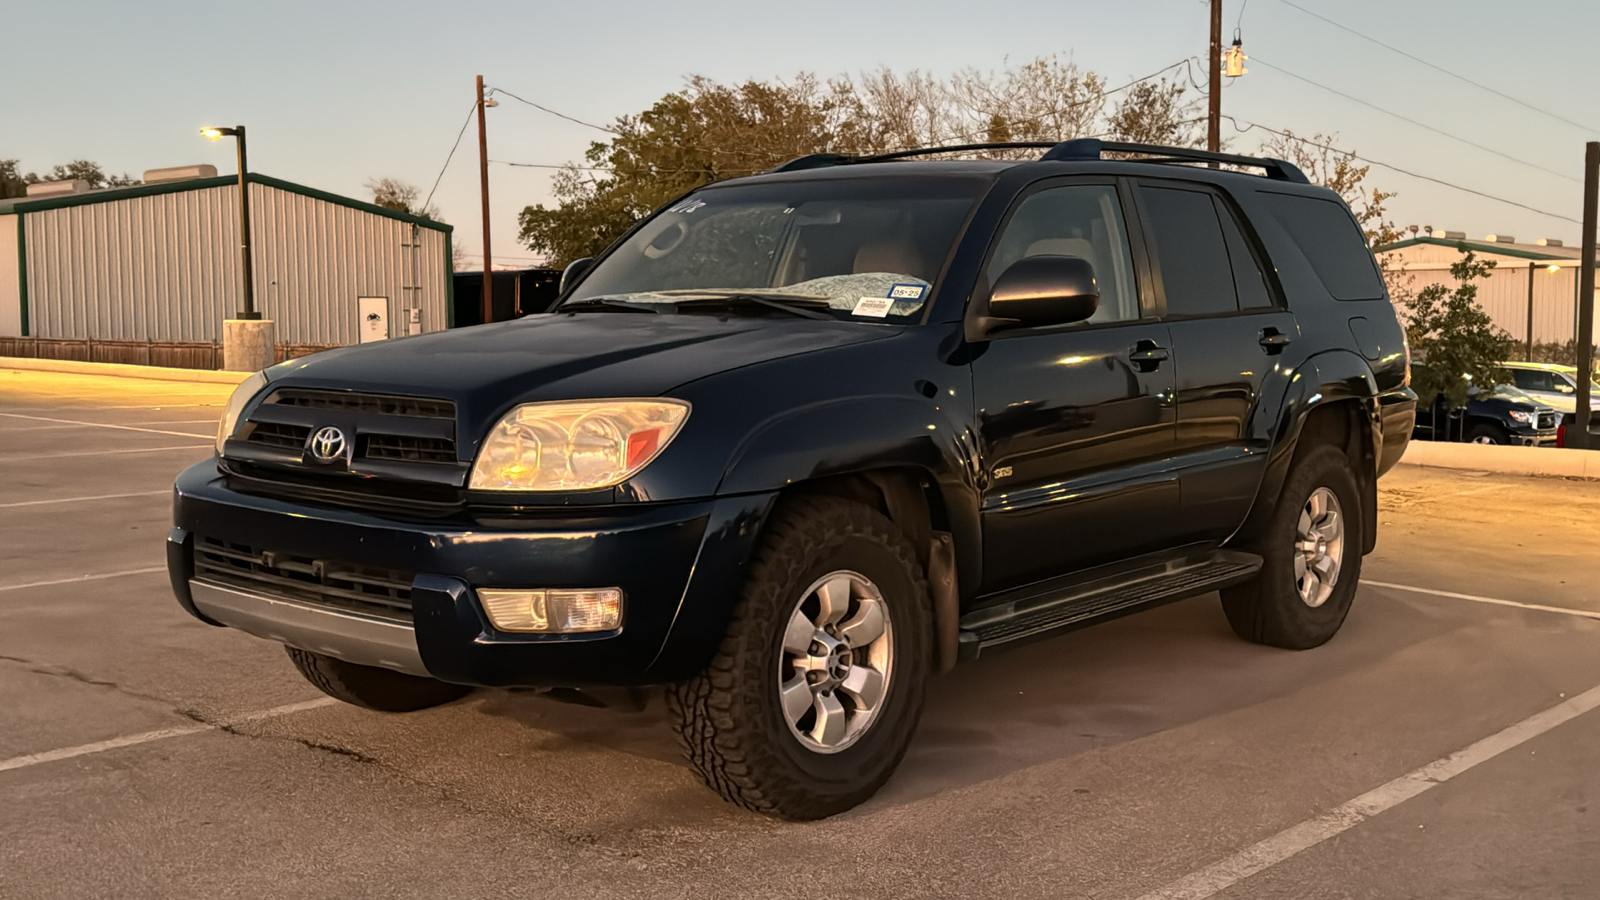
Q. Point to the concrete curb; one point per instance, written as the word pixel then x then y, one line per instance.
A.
pixel 120 370
pixel 1545 461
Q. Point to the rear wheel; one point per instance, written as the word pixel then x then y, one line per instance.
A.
pixel 1311 552
pixel 370 687
pixel 813 696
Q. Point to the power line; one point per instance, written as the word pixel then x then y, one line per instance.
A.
pixel 1438 68
pixel 1248 125
pixel 1098 98
pixel 552 112
pixel 470 110
pixel 1422 125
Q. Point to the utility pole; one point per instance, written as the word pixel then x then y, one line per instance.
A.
pixel 1214 115
pixel 1532 267
pixel 1591 194
pixel 483 179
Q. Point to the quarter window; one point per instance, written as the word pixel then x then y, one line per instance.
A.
pixel 1083 220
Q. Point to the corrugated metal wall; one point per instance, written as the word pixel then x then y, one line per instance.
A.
pixel 1504 296
pixel 166 267
pixel 10 282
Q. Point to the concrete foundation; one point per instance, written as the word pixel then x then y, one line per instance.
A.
pixel 248 345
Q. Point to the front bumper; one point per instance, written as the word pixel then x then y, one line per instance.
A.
pixel 679 566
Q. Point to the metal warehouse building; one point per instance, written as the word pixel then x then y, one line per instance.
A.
pixel 147 274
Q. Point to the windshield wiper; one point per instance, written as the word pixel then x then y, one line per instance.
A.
pixel 597 304
pixel 806 306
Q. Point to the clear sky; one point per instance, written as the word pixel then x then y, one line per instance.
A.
pixel 337 92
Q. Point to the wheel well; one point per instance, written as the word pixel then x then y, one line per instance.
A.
pixel 907 497
pixel 1345 424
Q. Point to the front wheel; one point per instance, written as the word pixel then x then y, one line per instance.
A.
pixel 1311 552
pixel 817 686
pixel 1487 434
pixel 370 687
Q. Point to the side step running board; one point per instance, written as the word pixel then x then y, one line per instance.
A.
pixel 1097 600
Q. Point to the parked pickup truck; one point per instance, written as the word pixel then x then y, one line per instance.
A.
pixel 1505 415
pixel 799 441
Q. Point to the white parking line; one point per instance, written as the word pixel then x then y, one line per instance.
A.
pixel 100 425
pixel 1222 875
pixel 1585 613
pixel 35 759
pixel 6 459
pixel 77 578
pixel 81 499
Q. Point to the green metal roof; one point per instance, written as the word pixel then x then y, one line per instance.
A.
pixel 1475 247
pixel 27 205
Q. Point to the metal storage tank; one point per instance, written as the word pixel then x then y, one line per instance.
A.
pixel 107 274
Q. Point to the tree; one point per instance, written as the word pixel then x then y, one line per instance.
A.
pixel 15 184
pixel 709 131
pixel 1451 333
pixel 1154 112
pixel 392 193
pixel 12 182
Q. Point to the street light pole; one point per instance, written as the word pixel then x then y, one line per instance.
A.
pixel 248 340
pixel 248 282
pixel 249 311
pixel 483 179
pixel 1591 198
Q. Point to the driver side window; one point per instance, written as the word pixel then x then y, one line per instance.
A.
pixel 1075 220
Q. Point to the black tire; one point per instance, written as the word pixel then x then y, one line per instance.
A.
pixel 1487 433
pixel 370 687
pixel 1268 609
pixel 728 718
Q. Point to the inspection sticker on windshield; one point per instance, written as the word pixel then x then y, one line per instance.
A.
pixel 907 291
pixel 876 307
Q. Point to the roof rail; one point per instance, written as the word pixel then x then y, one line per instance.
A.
pixel 813 161
pixel 1091 148
pixel 1079 149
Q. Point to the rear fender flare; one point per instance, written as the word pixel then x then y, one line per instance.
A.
pixel 1337 376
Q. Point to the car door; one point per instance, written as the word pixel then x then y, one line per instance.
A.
pixel 1074 422
pixel 1229 329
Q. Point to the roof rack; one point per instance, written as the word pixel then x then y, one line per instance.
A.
pixel 1091 148
pixel 1080 149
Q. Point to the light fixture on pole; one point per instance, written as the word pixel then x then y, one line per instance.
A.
pixel 237 133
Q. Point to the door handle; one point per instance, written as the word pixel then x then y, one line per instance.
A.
pixel 1147 355
pixel 1273 341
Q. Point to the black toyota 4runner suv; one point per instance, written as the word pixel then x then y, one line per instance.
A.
pixel 801 440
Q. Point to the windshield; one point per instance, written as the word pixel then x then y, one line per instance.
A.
pixel 865 251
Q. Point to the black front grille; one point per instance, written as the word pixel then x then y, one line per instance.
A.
pixel 277 434
pixel 410 449
pixel 383 427
pixel 1547 421
pixel 376 404
pixel 385 593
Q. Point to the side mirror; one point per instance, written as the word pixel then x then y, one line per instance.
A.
pixel 574 271
pixel 1041 290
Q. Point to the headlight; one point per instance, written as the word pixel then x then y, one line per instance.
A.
pixel 242 395
pixel 1522 416
pixel 575 445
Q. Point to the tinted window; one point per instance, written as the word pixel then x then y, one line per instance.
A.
pixel 1327 235
pixel 1248 278
pixel 1190 251
pixel 1077 220
pixel 1530 380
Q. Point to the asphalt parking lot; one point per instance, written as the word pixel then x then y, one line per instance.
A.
pixel 1446 744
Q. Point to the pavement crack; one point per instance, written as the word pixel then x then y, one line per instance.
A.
pixel 337 750
pixel 71 674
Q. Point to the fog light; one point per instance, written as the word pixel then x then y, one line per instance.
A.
pixel 554 611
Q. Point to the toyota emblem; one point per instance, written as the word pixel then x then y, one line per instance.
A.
pixel 327 444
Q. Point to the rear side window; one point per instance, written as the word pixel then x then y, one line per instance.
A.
pixel 1247 274
pixel 1327 234
pixel 1190 251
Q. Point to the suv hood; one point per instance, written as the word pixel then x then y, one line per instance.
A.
pixel 566 356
